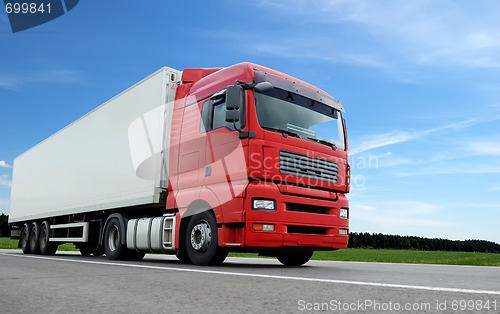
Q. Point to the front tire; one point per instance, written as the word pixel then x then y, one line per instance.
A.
pixel 202 240
pixel 182 256
pixel 294 258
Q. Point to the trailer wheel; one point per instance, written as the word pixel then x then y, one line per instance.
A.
pixel 202 240
pixel 113 247
pixel 34 233
pixel 24 241
pixel 294 258
pixel 46 247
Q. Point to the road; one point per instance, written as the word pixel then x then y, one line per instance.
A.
pixel 70 283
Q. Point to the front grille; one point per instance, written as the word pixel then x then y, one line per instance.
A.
pixel 306 208
pixel 306 230
pixel 307 167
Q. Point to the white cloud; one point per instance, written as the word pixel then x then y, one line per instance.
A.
pixel 3 164
pixel 309 49
pixel 5 181
pixel 59 76
pixel 495 188
pixel 381 140
pixel 397 137
pixel 398 214
pixel 441 33
pixel 487 148
pixel 483 205
pixel 4 206
pixel 450 169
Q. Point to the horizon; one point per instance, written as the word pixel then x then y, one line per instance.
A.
pixel 420 83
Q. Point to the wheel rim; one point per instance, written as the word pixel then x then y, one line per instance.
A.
pixel 113 238
pixel 201 236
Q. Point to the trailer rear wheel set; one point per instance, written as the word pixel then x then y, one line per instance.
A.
pixel 35 239
pixel 199 239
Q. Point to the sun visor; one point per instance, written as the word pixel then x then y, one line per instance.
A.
pixel 295 87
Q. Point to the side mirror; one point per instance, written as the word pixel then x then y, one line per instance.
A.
pixel 232 116
pixel 235 100
pixel 234 97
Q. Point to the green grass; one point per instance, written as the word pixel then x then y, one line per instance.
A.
pixel 403 256
pixel 7 243
pixel 411 257
pixel 362 255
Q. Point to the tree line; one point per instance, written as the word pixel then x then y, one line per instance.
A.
pixel 4 226
pixel 387 241
pixel 380 241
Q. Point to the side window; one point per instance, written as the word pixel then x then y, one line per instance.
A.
pixel 219 117
pixel 205 114
pixel 213 116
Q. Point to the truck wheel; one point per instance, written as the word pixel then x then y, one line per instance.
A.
pixel 202 240
pixel 294 258
pixel 24 241
pixel 46 247
pixel 113 247
pixel 182 256
pixel 34 233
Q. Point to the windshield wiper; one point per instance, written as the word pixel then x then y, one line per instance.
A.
pixel 283 132
pixel 324 142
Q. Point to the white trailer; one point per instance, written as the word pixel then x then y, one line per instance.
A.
pixel 115 156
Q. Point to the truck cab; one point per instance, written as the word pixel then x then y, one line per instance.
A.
pixel 268 154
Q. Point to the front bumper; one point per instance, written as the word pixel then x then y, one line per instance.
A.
pixel 303 217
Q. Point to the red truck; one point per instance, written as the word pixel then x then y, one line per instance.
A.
pixel 196 163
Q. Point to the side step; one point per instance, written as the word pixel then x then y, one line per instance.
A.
pixel 70 232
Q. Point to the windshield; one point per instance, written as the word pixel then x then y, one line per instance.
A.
pixel 282 111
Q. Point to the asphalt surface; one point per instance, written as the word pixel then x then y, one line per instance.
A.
pixel 71 283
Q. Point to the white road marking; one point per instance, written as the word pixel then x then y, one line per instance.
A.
pixel 216 272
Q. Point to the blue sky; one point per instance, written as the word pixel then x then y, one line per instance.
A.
pixel 420 82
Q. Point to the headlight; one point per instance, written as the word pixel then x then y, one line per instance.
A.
pixel 264 204
pixel 344 213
